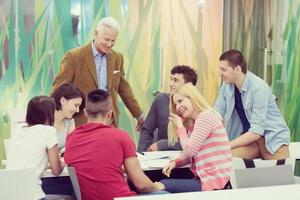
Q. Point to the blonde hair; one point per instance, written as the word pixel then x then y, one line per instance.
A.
pixel 198 102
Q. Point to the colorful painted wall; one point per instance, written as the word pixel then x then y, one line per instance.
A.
pixel 251 26
pixel 155 35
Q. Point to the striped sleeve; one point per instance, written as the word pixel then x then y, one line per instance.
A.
pixel 182 159
pixel 205 124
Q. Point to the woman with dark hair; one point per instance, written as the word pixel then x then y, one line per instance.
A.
pixel 34 144
pixel 69 101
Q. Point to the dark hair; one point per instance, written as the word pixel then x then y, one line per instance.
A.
pixel 40 110
pixel 189 74
pixel 68 91
pixel 98 103
pixel 235 58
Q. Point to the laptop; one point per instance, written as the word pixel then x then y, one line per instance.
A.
pixel 264 176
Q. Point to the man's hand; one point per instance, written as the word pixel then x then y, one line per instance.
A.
pixel 140 123
pixel 159 186
pixel 153 147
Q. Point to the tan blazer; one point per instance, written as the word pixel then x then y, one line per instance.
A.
pixel 78 67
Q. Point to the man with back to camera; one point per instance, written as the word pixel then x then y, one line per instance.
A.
pixel 97 66
pixel 97 151
pixel 253 121
pixel 158 116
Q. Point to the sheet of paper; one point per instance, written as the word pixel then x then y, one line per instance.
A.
pixel 151 157
pixel 161 154
pixel 155 164
pixel 156 159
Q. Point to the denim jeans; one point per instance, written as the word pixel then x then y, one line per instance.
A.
pixel 58 185
pixel 155 193
pixel 182 185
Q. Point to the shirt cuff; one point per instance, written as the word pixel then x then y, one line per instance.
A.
pixel 178 162
pixel 257 129
pixel 141 116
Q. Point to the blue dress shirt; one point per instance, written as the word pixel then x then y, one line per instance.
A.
pixel 101 68
pixel 261 111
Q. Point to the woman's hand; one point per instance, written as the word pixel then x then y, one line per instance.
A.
pixel 177 120
pixel 168 168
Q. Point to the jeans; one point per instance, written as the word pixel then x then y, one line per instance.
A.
pixel 182 185
pixel 58 185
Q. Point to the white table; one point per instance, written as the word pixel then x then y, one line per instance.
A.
pixel 290 192
pixel 150 161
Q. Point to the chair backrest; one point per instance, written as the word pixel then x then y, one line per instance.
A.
pixel 294 148
pixel 16 115
pixel 6 146
pixel 75 184
pixel 18 184
pixel 257 173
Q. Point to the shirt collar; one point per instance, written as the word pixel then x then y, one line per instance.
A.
pixel 246 83
pixel 96 52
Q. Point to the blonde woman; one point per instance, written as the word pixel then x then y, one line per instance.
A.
pixel 204 141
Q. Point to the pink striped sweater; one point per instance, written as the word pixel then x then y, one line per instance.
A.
pixel 208 151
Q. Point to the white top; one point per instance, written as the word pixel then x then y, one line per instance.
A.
pixel 61 136
pixel 28 148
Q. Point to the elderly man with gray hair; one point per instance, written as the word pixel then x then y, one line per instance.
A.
pixel 97 66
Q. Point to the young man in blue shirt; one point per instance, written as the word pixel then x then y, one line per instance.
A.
pixel 253 121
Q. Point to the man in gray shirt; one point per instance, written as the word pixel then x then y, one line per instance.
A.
pixel 158 116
